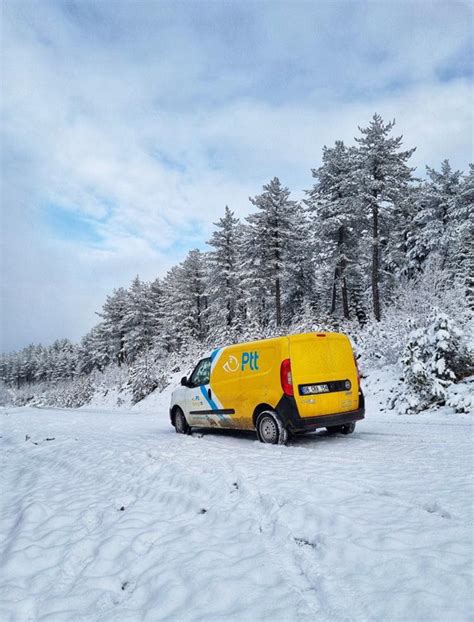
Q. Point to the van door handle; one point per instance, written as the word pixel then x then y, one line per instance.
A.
pixel 209 393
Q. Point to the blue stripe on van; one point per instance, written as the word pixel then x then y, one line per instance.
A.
pixel 214 354
pixel 209 400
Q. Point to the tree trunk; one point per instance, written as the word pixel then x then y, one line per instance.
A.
pixel 121 354
pixel 375 262
pixel 345 298
pixel 334 290
pixel 342 269
pixel 278 301
pixel 339 276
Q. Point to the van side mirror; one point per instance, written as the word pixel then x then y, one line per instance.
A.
pixel 184 381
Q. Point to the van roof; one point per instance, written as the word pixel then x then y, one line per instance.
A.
pixel 212 353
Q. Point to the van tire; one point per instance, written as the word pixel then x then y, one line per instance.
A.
pixel 270 429
pixel 348 428
pixel 180 423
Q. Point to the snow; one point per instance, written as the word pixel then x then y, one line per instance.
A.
pixel 119 518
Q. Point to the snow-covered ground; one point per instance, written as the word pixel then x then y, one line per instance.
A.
pixel 116 517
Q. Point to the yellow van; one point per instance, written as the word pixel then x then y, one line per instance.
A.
pixel 277 387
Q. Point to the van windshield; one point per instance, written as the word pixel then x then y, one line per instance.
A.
pixel 201 374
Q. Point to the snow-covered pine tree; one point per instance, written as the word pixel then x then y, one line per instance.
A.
pixel 184 303
pixel 169 337
pixel 398 262
pixel 303 288
pixel 335 207
pixel 194 282
pixel 26 364
pixel 114 330
pixel 436 222
pixel 383 178
pixel 463 217
pixel 434 358
pixel 268 234
pixel 155 308
pixel 224 290
pixel 137 319
pixel 143 377
pixel 95 350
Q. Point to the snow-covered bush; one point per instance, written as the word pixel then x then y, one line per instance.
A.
pixel 434 358
pixel 67 394
pixel 6 395
pixel 410 307
pixel 460 396
pixel 144 377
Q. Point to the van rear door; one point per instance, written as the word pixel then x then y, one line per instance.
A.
pixel 324 374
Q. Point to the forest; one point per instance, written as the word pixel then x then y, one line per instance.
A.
pixel 372 250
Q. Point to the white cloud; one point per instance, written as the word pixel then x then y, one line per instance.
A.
pixel 148 122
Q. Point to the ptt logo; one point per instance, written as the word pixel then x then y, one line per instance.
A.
pixel 232 364
pixel 250 359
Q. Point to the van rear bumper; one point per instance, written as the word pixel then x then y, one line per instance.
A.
pixel 289 415
pixel 326 421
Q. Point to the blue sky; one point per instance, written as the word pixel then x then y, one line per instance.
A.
pixel 128 126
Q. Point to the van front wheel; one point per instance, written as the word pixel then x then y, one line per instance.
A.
pixel 270 430
pixel 180 423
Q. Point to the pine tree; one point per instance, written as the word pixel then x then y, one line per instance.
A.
pixel 224 283
pixel 434 358
pixel 194 283
pixel 143 377
pixel 435 224
pixel 463 217
pixel 383 177
pixel 268 236
pixel 334 202
pixel 155 308
pixel 300 275
pixel 113 329
pixel 137 319
pixel 184 303
pixel 95 350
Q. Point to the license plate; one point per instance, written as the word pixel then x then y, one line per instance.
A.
pixel 312 389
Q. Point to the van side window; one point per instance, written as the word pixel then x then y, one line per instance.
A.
pixel 201 374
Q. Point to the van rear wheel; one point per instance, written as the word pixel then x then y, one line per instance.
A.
pixel 348 428
pixel 270 430
pixel 180 423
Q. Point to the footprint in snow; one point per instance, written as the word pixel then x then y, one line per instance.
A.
pixel 434 508
pixel 304 542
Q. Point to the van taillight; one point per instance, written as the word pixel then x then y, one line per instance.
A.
pixel 285 377
pixel 357 369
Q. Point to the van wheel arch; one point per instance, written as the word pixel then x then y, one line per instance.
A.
pixel 260 409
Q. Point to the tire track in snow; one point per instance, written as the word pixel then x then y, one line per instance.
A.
pixel 302 556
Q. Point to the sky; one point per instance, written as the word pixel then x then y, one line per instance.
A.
pixel 126 127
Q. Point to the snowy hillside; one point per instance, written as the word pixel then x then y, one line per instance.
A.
pixel 109 515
